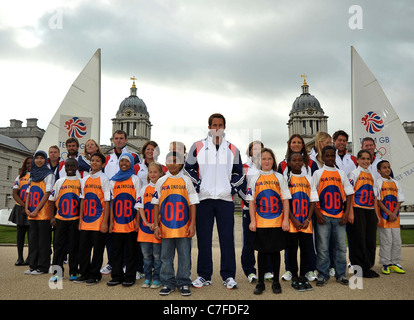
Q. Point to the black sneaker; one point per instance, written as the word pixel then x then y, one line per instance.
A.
pixel 343 281
pixel 321 282
pixel 81 279
pixel 260 287
pixel 297 284
pixel 185 291
pixel 276 287
pixel 113 283
pixel 91 281
pixel 165 291
pixel 306 284
pixel 128 283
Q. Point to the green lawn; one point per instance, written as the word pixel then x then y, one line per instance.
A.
pixel 8 235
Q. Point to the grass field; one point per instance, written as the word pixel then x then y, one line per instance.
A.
pixel 8 236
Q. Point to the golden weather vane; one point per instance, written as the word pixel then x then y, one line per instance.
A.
pixel 304 78
pixel 133 81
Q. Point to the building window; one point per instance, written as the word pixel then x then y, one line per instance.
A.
pixel 304 127
pixel 9 172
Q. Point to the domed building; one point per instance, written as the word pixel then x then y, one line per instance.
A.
pixel 133 118
pixel 307 117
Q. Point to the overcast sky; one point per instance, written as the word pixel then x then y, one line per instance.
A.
pixel 191 58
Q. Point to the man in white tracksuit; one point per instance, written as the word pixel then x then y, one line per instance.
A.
pixel 216 170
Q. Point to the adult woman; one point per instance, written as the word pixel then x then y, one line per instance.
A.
pixel 84 161
pixel 322 140
pixel 150 152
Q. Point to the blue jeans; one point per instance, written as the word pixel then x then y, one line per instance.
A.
pixel 333 231
pixel 152 260
pixel 167 274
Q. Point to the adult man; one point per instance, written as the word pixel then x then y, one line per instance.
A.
pixel 72 147
pixel 368 143
pixel 119 139
pixel 344 160
pixel 215 168
pixel 53 161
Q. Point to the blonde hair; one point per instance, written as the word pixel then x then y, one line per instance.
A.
pixel 158 166
pixel 320 137
pixel 88 156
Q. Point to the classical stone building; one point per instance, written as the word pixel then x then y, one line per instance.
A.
pixel 307 117
pixel 133 118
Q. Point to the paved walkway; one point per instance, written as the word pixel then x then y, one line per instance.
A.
pixel 14 285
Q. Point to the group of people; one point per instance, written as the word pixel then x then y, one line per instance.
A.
pixel 143 212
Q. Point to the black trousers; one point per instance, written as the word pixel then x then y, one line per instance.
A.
pixel 364 233
pixel 91 268
pixel 125 250
pixel 39 245
pixel 262 264
pixel 304 241
pixel 66 237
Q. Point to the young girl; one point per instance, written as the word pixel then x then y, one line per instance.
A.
pixel 125 186
pixel 38 212
pixel 300 222
pixel 18 215
pixel 150 246
pixel 268 196
pixel 390 198
pixel 363 216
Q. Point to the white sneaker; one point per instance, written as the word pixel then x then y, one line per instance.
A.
pixel 268 276
pixel 332 272
pixel 139 275
pixel 311 276
pixel 230 283
pixel 37 272
pixel 252 277
pixel 287 276
pixel 200 282
pixel 106 270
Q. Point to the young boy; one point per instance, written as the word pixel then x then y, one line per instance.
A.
pixel 331 186
pixel 390 199
pixel 93 221
pixel 174 202
pixel 65 198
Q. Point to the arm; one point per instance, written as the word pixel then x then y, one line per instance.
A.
pixel 305 224
pixel 111 217
pixel 17 198
pixel 237 175
pixel 347 210
pixel 191 166
pixel 52 213
pixel 157 231
pixel 42 202
pixel 104 225
pixel 191 228
pixel 285 223
pixel 252 211
pixel 81 213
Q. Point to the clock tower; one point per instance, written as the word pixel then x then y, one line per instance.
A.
pixel 133 118
pixel 307 117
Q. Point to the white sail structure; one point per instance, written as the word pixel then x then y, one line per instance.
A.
pixel 79 114
pixel 373 116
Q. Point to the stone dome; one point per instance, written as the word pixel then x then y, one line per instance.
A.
pixel 132 103
pixel 306 101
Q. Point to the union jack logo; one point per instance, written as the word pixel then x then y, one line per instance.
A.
pixel 373 122
pixel 76 128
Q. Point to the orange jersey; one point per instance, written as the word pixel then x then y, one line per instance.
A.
pixel 332 186
pixel 124 195
pixel 22 184
pixel 389 194
pixel 66 193
pixel 145 234
pixel 37 191
pixel 364 196
pixel 95 191
pixel 300 189
pixel 268 190
pixel 174 194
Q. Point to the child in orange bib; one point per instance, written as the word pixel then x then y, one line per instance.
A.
pixel 150 246
pixel 268 196
pixel 390 198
